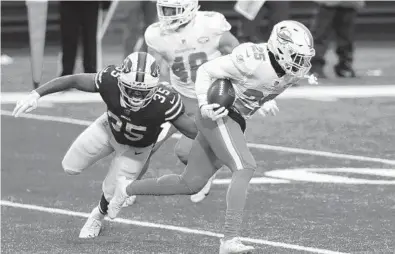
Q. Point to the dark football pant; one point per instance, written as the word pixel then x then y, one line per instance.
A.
pixel 78 18
pixel 340 20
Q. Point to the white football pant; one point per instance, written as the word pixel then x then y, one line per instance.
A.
pixel 97 142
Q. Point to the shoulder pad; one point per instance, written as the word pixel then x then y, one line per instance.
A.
pixel 247 56
pixel 215 21
pixel 106 76
pixel 152 36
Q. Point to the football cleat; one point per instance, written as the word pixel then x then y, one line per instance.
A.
pixel 234 245
pixel 203 193
pixel 92 226
pixel 129 201
pixel 119 197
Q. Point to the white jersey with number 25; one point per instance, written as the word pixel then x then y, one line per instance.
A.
pixel 249 69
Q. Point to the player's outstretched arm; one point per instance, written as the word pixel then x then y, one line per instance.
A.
pixel 186 125
pixel 83 82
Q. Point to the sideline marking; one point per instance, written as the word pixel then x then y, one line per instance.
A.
pixel 317 175
pixel 303 92
pixel 251 145
pixel 166 227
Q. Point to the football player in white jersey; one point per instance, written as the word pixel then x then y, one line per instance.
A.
pixel 182 40
pixel 258 73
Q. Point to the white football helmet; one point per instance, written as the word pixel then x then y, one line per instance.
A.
pixel 174 13
pixel 138 80
pixel 293 47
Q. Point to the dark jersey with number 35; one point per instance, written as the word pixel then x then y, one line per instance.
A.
pixel 136 128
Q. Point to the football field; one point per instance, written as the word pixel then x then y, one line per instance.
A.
pixel 325 181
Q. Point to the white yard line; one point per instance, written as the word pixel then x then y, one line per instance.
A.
pixel 167 227
pixel 251 145
pixel 303 92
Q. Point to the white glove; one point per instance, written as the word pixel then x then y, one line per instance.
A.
pixel 269 107
pixel 211 111
pixel 27 104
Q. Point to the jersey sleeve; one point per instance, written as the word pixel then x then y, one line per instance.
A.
pixel 247 57
pixel 107 84
pixel 175 107
pixel 152 36
pixel 105 76
pixel 218 22
pixel 218 68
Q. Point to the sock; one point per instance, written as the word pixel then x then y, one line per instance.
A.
pixel 233 221
pixel 103 205
pixel 235 201
pixel 165 185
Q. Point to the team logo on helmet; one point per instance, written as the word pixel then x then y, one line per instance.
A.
pixel 127 65
pixel 284 35
pixel 155 71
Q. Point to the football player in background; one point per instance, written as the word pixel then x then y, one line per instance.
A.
pixel 182 40
pixel 137 106
pixel 258 73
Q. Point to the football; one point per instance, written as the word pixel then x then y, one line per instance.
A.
pixel 222 92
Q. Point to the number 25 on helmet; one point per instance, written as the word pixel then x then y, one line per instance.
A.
pixel 138 80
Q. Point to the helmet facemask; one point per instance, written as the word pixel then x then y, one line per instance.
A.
pixel 138 80
pixel 173 14
pixel 295 63
pixel 137 95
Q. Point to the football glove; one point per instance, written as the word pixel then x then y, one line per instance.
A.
pixel 213 111
pixel 27 104
pixel 269 108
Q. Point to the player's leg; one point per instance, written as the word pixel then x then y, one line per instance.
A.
pixel 199 169
pixel 344 26
pixel 69 29
pixel 89 34
pixel 90 146
pixel 128 162
pixel 184 146
pixel 227 140
pixel 321 30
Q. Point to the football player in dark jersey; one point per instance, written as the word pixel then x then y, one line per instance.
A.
pixel 137 106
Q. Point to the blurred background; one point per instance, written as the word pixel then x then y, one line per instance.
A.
pixel 326 165
pixel 343 31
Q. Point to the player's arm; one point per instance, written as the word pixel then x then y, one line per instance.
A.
pixel 84 82
pixel 227 43
pixel 175 114
pixel 218 68
pixel 186 125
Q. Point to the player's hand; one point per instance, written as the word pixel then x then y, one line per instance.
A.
pixel 213 111
pixel 269 108
pixel 27 104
